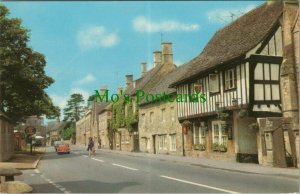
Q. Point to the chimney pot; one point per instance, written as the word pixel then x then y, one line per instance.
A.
pixel 167 53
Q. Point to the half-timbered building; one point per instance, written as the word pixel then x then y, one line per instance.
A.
pixel 239 72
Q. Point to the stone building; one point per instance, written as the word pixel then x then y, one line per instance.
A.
pixel 89 124
pixel 238 71
pixel 83 129
pixel 163 63
pixel 6 138
pixel 159 129
pixel 54 129
pixel 107 140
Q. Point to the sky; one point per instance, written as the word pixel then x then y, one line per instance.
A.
pixel 92 44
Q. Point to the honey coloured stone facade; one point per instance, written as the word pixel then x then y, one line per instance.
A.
pixel 104 126
pixel 159 129
pixel 83 129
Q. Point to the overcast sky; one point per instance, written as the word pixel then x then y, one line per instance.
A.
pixel 89 44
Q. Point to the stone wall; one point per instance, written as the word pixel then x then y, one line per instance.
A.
pixel 156 133
pixel 6 138
pixel 103 126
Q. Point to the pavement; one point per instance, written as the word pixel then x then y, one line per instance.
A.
pixel 213 163
pixel 24 160
pixel 126 172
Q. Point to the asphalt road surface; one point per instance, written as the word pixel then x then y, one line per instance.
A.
pixel 121 173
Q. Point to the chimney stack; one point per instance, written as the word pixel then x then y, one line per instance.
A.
pixel 120 89
pixel 156 58
pixel 102 90
pixel 129 79
pixel 144 68
pixel 167 54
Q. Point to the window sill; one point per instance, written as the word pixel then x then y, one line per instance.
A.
pixel 213 93
pixel 229 90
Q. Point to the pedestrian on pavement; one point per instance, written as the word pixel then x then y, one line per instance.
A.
pixel 91 147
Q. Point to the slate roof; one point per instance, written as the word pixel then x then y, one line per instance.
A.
pixel 233 41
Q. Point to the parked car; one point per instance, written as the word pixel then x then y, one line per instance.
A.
pixel 56 143
pixel 63 148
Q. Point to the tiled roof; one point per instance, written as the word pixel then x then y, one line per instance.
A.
pixel 233 41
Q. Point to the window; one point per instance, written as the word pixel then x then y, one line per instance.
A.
pixel 163 115
pixel 143 120
pixel 122 137
pixel 173 142
pixel 229 79
pixel 199 134
pixel 213 83
pixel 219 132
pixel 151 117
pixel 148 143
pixel 162 142
pixel 196 134
pixel 172 114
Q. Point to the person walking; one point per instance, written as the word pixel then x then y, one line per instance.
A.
pixel 91 147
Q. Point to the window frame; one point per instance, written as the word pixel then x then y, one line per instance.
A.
pixel 211 82
pixel 227 80
pixel 163 115
pixel 173 142
pixel 222 138
pixel 151 117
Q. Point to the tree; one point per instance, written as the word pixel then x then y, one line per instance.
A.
pixel 69 133
pixel 74 109
pixel 91 100
pixel 22 74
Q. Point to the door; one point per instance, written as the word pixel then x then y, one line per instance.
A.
pixel 136 141
pixel 154 146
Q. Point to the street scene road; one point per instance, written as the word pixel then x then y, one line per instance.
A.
pixel 129 98
pixel 111 172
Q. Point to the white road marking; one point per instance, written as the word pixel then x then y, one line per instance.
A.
pixel 37 171
pixel 98 160
pixel 75 153
pixel 124 166
pixel 63 189
pixel 58 186
pixel 85 156
pixel 200 185
pixel 32 174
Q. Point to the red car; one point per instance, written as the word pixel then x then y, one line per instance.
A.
pixel 63 148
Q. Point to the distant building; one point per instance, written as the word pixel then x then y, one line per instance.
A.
pixel 89 124
pixel 54 130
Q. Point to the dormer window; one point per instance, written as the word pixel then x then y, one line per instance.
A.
pixel 229 79
pixel 214 83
